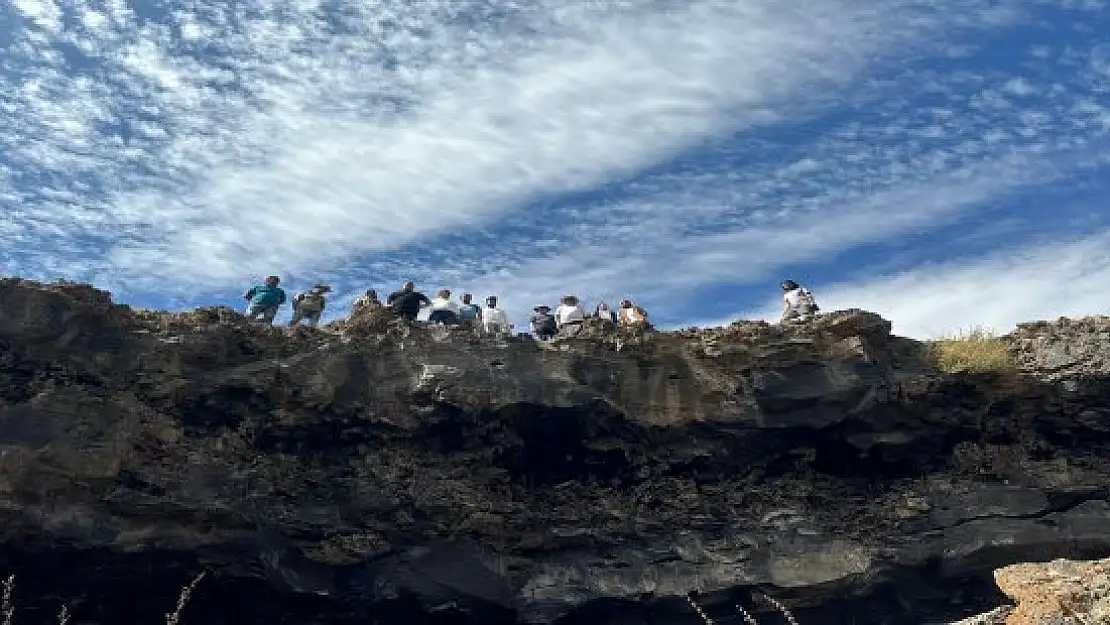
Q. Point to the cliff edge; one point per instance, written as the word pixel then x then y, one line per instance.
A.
pixel 377 472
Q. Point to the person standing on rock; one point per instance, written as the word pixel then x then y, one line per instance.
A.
pixel 494 319
pixel 407 302
pixel 631 314
pixel 263 300
pixel 543 323
pixel 310 305
pixel 798 304
pixel 365 303
pixel 605 313
pixel 469 312
pixel 569 316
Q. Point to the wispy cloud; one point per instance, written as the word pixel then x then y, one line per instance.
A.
pixel 523 148
pixel 223 142
pixel 996 292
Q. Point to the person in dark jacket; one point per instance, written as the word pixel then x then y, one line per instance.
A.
pixel 408 301
pixel 543 323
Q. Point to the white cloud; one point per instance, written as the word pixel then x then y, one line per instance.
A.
pixel 300 137
pixel 996 292
pixel 279 152
pixel 194 148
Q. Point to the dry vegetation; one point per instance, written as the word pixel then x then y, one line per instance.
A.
pixel 7 604
pixel 974 351
pixel 744 614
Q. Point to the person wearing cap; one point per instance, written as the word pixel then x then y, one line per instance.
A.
pixel 263 300
pixel 543 323
pixel 309 305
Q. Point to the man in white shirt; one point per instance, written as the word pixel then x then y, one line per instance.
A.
pixel 798 303
pixel 495 320
pixel 443 309
pixel 569 316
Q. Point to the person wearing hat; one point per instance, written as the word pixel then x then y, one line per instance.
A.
pixel 543 323
pixel 263 300
pixel 798 303
pixel 309 305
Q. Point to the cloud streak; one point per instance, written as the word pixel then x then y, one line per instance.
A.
pixel 995 293
pixel 523 148
pixel 305 135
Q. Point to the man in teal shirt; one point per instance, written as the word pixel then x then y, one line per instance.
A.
pixel 469 312
pixel 264 300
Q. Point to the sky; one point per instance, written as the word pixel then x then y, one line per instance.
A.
pixel 940 162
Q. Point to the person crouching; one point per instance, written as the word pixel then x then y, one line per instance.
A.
pixel 443 309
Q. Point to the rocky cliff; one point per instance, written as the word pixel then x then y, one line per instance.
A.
pixel 374 472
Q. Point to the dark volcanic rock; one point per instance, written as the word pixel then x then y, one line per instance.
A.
pixel 376 472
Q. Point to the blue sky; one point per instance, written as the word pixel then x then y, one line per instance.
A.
pixel 940 162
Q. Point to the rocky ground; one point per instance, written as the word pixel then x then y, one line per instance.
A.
pixel 1061 592
pixel 374 472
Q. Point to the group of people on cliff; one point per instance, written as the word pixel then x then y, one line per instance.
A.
pixel 264 300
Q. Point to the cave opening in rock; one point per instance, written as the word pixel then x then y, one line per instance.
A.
pixel 227 407
pixel 552 445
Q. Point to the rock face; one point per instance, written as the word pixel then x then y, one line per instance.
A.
pixel 375 472
pixel 1061 592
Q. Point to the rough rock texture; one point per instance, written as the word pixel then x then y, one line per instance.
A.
pixel 375 472
pixel 1061 592
pixel 996 616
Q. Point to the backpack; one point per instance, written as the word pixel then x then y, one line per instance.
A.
pixel 310 302
pixel 809 301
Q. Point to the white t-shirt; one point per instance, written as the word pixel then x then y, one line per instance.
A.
pixel 495 318
pixel 443 303
pixel 569 314
pixel 796 298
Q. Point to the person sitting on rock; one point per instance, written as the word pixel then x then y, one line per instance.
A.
pixel 543 323
pixel 631 314
pixel 444 310
pixel 469 312
pixel 263 300
pixel 309 305
pixel 366 302
pixel 569 316
pixel 494 319
pixel 407 302
pixel 798 304
pixel 605 313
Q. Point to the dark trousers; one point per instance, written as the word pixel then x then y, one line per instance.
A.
pixel 445 317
